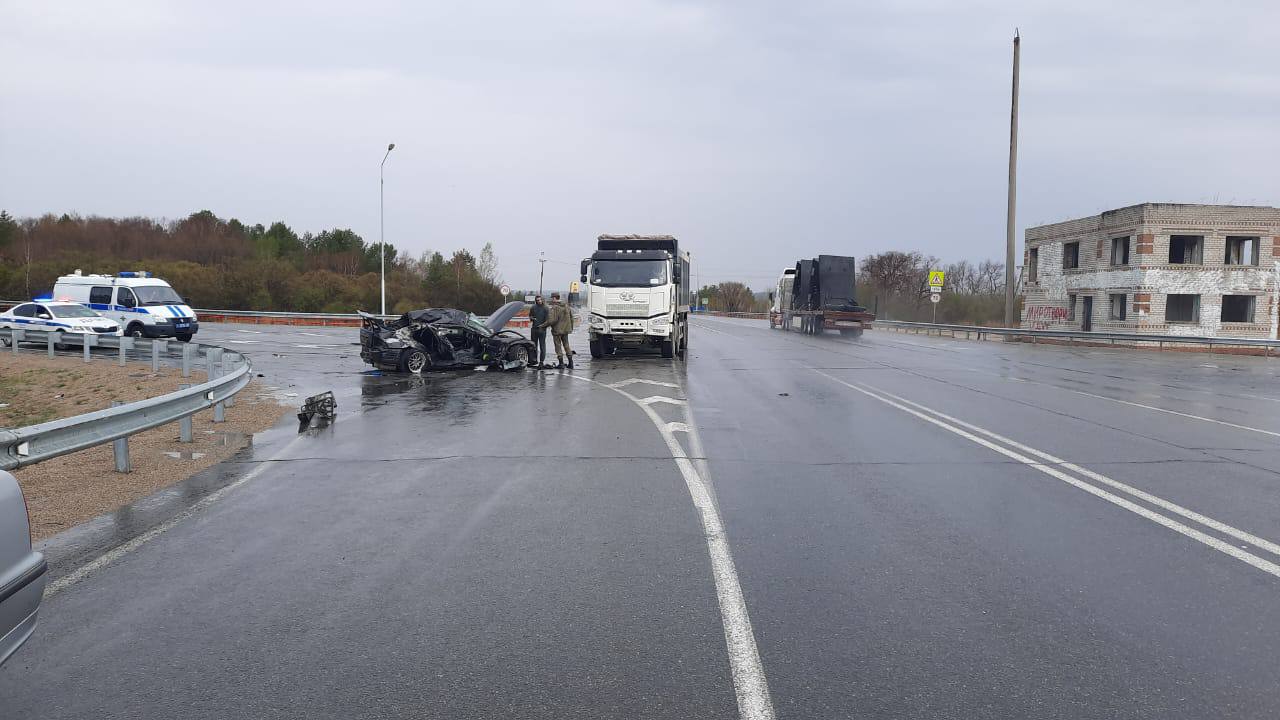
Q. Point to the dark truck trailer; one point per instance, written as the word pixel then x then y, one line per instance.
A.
pixel 822 297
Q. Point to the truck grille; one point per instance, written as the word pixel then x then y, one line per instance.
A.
pixel 626 310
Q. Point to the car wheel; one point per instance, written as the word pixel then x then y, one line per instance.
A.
pixel 414 360
pixel 520 354
pixel 134 330
pixel 185 337
pixel 57 341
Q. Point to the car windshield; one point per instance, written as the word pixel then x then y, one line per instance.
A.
pixel 72 311
pixel 476 324
pixel 157 295
pixel 628 273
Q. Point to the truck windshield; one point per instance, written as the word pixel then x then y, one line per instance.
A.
pixel 629 273
pixel 157 295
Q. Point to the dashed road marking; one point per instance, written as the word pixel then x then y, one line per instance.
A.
pixel 1179 414
pixel 955 426
pixel 631 381
pixel 657 399
pixel 677 427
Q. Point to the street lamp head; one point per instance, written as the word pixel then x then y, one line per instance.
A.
pixel 391 147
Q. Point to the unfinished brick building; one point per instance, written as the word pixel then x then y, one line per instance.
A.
pixel 1159 268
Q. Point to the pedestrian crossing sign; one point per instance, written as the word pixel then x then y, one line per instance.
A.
pixel 936 277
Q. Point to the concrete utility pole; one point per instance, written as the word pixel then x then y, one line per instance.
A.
pixel 1009 299
pixel 542 268
pixel 382 232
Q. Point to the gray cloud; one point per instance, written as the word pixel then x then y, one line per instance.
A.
pixel 758 132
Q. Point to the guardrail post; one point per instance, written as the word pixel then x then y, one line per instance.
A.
pixel 126 344
pixel 226 370
pixel 184 425
pixel 213 357
pixel 187 351
pixel 155 356
pixel 16 336
pixel 88 343
pixel 49 341
pixel 120 448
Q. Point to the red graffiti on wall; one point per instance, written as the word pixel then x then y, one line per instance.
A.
pixel 1040 316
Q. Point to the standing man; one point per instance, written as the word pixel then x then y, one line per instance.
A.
pixel 538 316
pixel 561 322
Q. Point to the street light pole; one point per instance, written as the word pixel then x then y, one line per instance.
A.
pixel 542 267
pixel 1009 299
pixel 382 226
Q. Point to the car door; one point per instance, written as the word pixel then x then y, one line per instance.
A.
pixel 21 314
pixel 43 319
pixel 101 301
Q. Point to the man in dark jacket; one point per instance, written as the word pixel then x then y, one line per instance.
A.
pixel 538 316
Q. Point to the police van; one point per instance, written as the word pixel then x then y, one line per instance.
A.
pixel 143 305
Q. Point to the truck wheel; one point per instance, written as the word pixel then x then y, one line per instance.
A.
pixel 597 351
pixel 414 360
pixel 817 325
pixel 668 348
pixel 684 342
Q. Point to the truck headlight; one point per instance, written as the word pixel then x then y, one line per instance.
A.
pixel 661 322
pixel 597 321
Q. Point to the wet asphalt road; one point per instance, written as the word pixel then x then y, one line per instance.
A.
pixel 476 544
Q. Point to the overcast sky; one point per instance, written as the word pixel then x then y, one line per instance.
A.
pixel 757 132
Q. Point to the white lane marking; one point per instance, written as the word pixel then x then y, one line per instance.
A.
pixel 1224 547
pixel 1179 414
pixel 677 427
pixel 656 399
pixel 313 334
pixel 749 682
pixel 630 381
pixel 316 347
pixel 120 551
pixel 255 332
pixel 245 342
pixel 1099 477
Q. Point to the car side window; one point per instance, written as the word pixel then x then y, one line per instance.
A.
pixel 124 296
pixel 100 295
pixel 43 312
pixel 25 310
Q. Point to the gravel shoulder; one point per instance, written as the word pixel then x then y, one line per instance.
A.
pixel 71 489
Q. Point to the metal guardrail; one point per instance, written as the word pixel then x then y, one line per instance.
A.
pixel 228 373
pixel 1084 335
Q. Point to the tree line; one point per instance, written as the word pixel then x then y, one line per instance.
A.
pixel 225 264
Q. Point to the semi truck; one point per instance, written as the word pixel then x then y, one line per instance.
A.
pixel 636 295
pixel 819 295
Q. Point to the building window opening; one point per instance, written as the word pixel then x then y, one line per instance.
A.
pixel 1071 307
pixel 1186 249
pixel 1033 264
pixel 1238 308
pixel 1120 251
pixel 1070 256
pixel 1182 309
pixel 1242 251
pixel 1118 306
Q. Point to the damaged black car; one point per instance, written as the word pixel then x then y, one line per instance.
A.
pixel 441 338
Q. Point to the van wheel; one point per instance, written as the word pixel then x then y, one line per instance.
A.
pixel 134 330
pixel 185 337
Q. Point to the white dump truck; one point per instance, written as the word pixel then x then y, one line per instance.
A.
pixel 636 295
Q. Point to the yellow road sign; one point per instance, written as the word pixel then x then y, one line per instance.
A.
pixel 936 277
pixel 573 286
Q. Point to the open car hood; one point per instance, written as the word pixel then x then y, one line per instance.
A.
pixel 498 319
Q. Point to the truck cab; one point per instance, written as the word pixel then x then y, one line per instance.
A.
pixel 637 295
